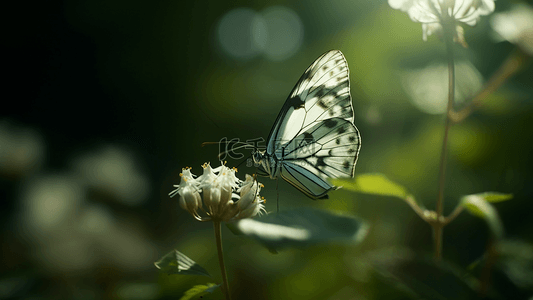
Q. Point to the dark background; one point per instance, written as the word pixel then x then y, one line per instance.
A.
pixel 105 101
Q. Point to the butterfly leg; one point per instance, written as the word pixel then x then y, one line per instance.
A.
pixel 277 192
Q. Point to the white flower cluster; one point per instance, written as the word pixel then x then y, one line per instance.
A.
pixel 219 193
pixel 434 13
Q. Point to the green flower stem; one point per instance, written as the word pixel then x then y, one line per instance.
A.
pixel 218 234
pixel 508 68
pixel 439 224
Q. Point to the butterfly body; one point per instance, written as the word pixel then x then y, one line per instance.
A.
pixel 314 137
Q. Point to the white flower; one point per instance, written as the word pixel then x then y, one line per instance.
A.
pixel 516 26
pixel 250 203
pixel 433 14
pixel 218 189
pixel 189 193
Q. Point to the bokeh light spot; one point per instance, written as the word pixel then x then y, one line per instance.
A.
pixel 428 87
pixel 50 202
pixel 241 32
pixel 113 170
pixel 22 150
pixel 276 32
pixel 285 32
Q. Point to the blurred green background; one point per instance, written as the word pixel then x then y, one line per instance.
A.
pixel 106 101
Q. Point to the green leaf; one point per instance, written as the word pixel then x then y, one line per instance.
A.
pixel 302 227
pixel 176 262
pixel 199 291
pixel 495 196
pixel 375 184
pixel 478 206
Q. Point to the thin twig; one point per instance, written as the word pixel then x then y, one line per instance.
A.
pixel 422 213
pixel 508 68
pixel 486 273
pixel 458 209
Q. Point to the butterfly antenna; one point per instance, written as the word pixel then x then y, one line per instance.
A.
pixel 225 152
pixel 210 143
pixel 246 159
pixel 244 145
pixel 215 143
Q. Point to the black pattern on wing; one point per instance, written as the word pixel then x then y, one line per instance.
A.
pixel 313 137
pixel 327 149
pixel 321 93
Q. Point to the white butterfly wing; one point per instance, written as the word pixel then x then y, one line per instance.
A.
pixel 321 93
pixel 326 149
pixel 314 137
pixel 301 178
pixel 330 147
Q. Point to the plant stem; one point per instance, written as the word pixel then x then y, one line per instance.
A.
pixel 416 208
pixel 492 256
pixel 458 209
pixel 218 234
pixel 438 224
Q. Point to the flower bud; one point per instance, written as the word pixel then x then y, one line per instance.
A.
pixel 190 200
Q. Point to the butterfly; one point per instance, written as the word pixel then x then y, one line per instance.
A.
pixel 314 137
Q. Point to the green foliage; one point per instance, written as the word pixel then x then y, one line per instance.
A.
pixel 301 227
pixel 176 262
pixel 516 262
pixel 375 184
pixel 495 196
pixel 478 205
pixel 199 291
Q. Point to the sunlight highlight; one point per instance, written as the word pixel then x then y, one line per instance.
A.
pixel 428 88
